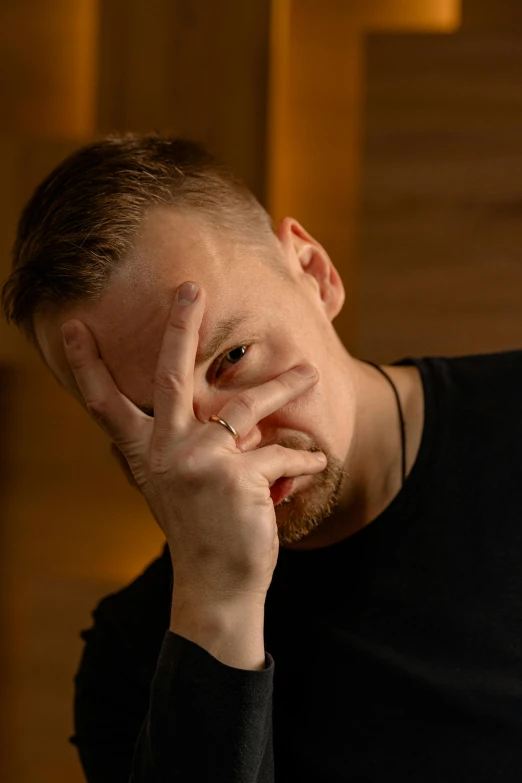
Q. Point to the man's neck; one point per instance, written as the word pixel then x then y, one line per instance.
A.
pixel 374 465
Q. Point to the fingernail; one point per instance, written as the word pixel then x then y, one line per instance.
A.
pixel 186 294
pixel 69 334
pixel 307 370
pixel 320 456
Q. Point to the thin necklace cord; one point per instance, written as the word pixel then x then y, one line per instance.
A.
pixel 401 417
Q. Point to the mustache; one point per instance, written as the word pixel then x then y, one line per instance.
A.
pixel 296 442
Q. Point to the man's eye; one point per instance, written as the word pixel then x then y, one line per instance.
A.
pixel 232 357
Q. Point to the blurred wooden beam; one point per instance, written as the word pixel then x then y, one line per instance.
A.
pixel 48 60
pixel 314 125
pixel 196 69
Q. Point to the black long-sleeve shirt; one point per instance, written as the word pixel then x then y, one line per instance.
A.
pixel 394 654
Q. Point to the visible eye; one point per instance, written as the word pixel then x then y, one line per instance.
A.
pixel 233 357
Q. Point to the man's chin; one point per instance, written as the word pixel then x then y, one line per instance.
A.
pixel 297 515
pixel 307 507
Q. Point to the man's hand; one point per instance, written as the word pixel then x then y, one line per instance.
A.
pixel 124 465
pixel 211 500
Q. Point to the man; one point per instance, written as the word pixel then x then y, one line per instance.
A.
pixel 339 597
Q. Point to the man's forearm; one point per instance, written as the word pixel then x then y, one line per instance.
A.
pixel 231 630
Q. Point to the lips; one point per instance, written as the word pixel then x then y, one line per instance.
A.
pixel 280 489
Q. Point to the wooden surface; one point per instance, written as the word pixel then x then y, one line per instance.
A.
pixel 47 67
pixel 315 121
pixel 189 68
pixel 440 269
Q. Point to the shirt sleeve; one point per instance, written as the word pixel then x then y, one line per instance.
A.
pixel 207 721
pixel 195 720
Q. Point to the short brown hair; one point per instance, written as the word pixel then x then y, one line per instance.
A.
pixel 81 220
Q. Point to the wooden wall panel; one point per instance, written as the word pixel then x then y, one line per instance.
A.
pixel 197 69
pixel 6 439
pixel 487 16
pixel 440 269
pixel 47 67
pixel 47 78
pixel 314 131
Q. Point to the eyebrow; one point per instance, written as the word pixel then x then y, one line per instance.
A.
pixel 221 333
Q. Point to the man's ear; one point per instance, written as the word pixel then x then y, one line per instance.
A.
pixel 122 462
pixel 307 256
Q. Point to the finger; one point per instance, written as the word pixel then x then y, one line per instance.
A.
pixel 115 413
pixel 248 407
pixel 174 379
pixel 276 461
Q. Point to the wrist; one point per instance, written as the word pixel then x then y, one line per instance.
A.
pixel 229 627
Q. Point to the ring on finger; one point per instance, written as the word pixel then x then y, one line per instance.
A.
pixel 225 424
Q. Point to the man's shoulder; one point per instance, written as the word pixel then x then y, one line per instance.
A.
pixel 477 399
pixel 493 378
pixel 486 364
pixel 500 370
pixel 473 391
pixel 112 683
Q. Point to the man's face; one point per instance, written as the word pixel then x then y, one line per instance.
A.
pixel 280 324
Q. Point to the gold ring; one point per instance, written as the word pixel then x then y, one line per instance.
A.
pixel 225 424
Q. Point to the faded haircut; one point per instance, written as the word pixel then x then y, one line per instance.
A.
pixel 80 223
